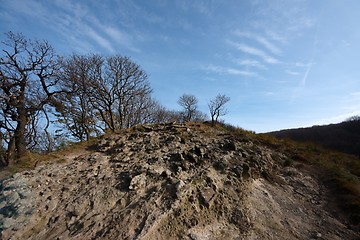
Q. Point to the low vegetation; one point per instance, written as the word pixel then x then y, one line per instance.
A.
pixel 339 171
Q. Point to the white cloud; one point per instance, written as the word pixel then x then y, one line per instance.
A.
pixel 269 93
pixel 80 27
pixel 75 9
pixel 205 7
pixel 120 37
pixel 292 73
pixel 31 8
pixel 103 42
pixel 276 36
pixel 283 20
pixel 251 63
pixel 255 52
pixel 345 43
pixel 229 71
pixel 260 39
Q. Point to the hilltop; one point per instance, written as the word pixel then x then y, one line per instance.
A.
pixel 174 181
pixel 343 137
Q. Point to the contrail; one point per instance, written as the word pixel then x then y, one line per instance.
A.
pixel 303 81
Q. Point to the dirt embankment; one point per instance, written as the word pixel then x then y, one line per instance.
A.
pixel 169 181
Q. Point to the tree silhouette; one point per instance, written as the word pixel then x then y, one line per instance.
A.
pixel 189 103
pixel 28 73
pixel 216 107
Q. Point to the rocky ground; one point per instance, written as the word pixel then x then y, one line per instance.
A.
pixel 169 181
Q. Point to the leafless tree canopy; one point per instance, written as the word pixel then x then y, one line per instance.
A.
pixel 217 108
pixel 189 103
pixel 104 94
pixel 89 93
pixel 76 111
pixel 28 72
pixel 86 94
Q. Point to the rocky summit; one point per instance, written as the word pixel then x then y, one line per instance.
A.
pixel 169 181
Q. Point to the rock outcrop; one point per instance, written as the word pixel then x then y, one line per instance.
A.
pixel 164 181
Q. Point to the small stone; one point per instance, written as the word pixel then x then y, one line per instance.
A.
pixel 318 235
pixel 192 236
pixel 168 172
pixel 138 182
pixel 207 195
pixel 179 185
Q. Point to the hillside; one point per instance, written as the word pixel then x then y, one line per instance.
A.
pixel 174 181
pixel 343 137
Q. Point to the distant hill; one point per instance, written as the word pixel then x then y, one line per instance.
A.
pixel 343 137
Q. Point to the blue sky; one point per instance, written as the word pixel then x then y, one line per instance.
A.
pixel 283 63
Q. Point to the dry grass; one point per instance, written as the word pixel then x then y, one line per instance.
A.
pixel 32 159
pixel 339 171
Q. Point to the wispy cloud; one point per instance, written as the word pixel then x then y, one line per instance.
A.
pixel 205 7
pixel 345 43
pixel 294 73
pixel 275 36
pixel 269 93
pixel 79 26
pixel 229 71
pixel 306 74
pixel 99 39
pixel 302 64
pixel 31 8
pixel 260 39
pixel 255 52
pixel 120 37
pixel 251 63
pixel 303 82
pixel 285 19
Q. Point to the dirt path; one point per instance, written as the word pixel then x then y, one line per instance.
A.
pixel 294 210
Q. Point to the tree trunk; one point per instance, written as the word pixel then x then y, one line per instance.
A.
pixel 19 134
pixel 87 133
pixel 3 160
pixel 212 121
pixel 20 143
pixel 10 152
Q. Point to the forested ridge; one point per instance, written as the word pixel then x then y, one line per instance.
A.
pixel 343 137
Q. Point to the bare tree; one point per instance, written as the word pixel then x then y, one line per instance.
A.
pixel 355 118
pixel 76 111
pixel 122 93
pixel 28 82
pixel 159 114
pixel 106 93
pixel 216 107
pixel 189 103
pixel 200 116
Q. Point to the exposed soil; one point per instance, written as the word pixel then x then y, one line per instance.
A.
pixel 169 181
pixel 296 209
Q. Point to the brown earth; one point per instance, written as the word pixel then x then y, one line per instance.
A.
pixel 170 181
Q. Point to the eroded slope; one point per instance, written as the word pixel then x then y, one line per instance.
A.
pixel 164 181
